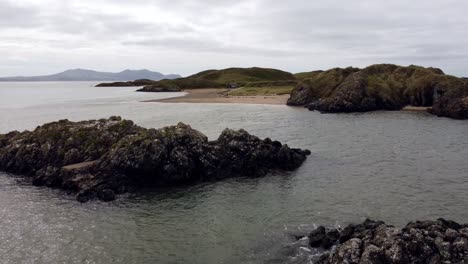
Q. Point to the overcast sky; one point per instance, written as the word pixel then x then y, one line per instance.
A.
pixel 186 36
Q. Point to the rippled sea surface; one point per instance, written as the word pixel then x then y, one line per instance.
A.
pixel 393 166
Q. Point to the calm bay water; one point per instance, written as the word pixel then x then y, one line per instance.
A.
pixel 394 166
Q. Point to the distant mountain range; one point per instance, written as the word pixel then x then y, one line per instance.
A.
pixel 89 75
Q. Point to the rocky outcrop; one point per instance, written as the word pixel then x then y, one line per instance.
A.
pixel 450 102
pixel 382 87
pixel 440 241
pixel 102 158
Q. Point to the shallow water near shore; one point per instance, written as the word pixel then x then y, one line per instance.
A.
pixel 393 166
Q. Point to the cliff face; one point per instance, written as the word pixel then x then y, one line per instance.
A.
pixel 102 158
pixel 382 87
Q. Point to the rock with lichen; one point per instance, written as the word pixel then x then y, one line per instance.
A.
pixel 440 241
pixel 102 158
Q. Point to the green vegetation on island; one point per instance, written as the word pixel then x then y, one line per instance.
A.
pixel 243 75
pixel 382 87
pixel 266 90
pixel 227 78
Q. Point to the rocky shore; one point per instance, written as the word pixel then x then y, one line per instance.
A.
pixel 383 87
pixel 106 157
pixel 440 241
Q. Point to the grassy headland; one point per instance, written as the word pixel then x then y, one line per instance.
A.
pixel 382 87
pixel 231 77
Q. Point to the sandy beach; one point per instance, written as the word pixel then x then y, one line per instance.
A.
pixel 220 96
pixel 415 108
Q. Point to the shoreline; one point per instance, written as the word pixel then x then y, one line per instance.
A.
pixel 415 108
pixel 215 95
pixel 219 96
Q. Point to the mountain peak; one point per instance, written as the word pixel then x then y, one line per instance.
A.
pixel 79 74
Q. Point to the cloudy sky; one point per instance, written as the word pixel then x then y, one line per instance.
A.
pixel 186 36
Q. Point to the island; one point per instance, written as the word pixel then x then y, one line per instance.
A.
pixel 102 158
pixel 382 87
pixel 232 85
pixel 339 90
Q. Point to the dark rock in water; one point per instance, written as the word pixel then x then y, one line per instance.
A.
pixel 317 236
pixel 440 241
pixel 140 82
pixel 158 89
pixel 102 158
pixel 106 195
pixel 382 87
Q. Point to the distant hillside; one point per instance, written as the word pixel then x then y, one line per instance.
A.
pixel 257 77
pixel 306 75
pixel 89 75
pixel 254 74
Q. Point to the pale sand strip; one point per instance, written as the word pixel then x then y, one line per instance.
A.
pixel 81 165
pixel 415 108
pixel 210 95
pixel 220 96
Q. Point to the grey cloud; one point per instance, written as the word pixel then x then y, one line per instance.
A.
pixel 15 16
pixel 296 34
pixel 209 46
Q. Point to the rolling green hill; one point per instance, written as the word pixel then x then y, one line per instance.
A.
pixel 251 77
pixel 243 75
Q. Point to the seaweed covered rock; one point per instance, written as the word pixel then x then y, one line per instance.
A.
pixel 440 241
pixel 382 87
pixel 102 158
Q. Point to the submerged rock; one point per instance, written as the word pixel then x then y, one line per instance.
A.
pixel 440 241
pixel 383 87
pixel 102 158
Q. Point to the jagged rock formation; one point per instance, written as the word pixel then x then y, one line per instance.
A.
pixel 382 87
pixel 441 241
pixel 102 158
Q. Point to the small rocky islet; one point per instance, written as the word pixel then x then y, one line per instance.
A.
pixel 439 241
pixel 148 86
pixel 106 157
